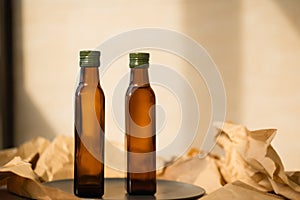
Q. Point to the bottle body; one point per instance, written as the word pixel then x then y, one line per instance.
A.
pixel 140 134
pixel 89 128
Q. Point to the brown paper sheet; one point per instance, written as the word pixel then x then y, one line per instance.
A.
pixel 7 155
pixel 19 177
pixel 32 148
pixel 32 189
pixel 191 169
pixel 24 169
pixel 55 159
pixel 249 158
pixel 237 191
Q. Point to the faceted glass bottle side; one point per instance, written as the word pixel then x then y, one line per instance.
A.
pixel 89 129
pixel 140 129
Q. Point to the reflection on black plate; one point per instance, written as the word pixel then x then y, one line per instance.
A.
pixel 114 189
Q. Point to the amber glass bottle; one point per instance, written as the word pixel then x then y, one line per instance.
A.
pixel 89 129
pixel 140 129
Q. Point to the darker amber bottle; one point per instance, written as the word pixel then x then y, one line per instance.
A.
pixel 140 129
pixel 89 129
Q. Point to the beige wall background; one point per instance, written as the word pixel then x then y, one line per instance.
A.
pixel 254 43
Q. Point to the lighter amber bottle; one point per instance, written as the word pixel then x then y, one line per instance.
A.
pixel 140 129
pixel 89 129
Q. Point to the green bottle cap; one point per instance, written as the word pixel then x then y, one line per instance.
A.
pixel 89 58
pixel 138 58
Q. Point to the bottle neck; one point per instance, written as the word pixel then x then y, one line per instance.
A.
pixel 89 75
pixel 139 76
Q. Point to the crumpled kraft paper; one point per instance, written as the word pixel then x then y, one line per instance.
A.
pixel 250 157
pixel 24 169
pixel 57 157
pixel 240 191
pixel 190 169
pixel 7 155
pixel 20 179
pixel 36 161
pixel 16 167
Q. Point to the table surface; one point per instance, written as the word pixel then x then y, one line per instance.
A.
pixel 114 189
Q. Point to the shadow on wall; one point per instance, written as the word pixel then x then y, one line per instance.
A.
pixel 217 27
pixel 29 121
pixel 291 10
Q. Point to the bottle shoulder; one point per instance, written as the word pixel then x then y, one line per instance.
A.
pixel 147 89
pixel 86 88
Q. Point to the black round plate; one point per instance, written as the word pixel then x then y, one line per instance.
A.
pixel 114 189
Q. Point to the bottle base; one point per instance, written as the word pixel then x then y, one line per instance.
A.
pixel 141 193
pixel 141 187
pixel 87 192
